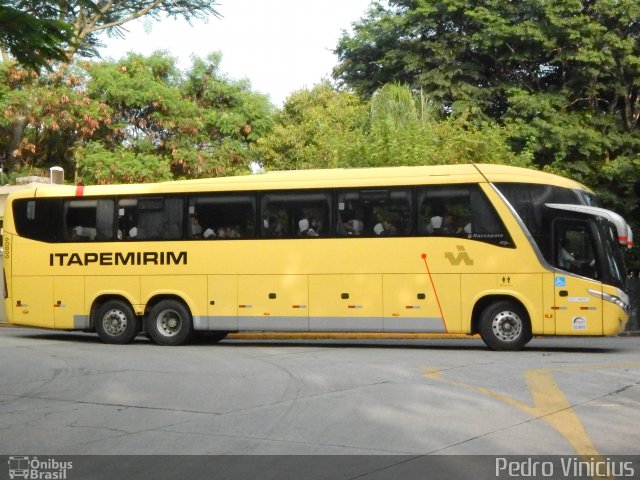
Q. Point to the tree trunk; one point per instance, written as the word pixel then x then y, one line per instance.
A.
pixel 13 161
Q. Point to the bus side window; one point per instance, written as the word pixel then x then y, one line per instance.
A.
pixel 221 216
pixel 374 212
pixel 38 219
pixel 295 214
pixel 444 211
pixel 150 218
pixel 88 220
pixel 460 211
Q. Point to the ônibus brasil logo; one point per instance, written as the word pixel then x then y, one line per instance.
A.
pixel 35 468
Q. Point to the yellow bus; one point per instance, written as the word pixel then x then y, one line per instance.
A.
pixel 504 252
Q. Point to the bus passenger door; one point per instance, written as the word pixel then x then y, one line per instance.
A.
pixel 68 303
pixel 33 301
pixel 577 311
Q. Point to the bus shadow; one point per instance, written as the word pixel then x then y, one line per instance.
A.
pixel 439 344
pixel 471 344
pixel 77 337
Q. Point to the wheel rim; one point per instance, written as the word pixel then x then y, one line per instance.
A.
pixel 114 322
pixel 169 323
pixel 507 326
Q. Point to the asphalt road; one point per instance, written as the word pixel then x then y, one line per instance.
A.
pixel 68 394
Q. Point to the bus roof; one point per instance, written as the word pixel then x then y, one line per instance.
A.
pixel 321 178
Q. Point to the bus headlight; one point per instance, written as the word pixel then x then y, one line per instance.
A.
pixel 612 298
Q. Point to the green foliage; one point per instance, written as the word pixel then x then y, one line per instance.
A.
pixel 52 112
pixel 36 32
pixel 33 34
pixel 547 65
pixel 98 165
pixel 233 118
pixel 558 80
pixel 196 123
pixel 323 127
pixel 318 128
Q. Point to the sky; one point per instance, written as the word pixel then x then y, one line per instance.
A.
pixel 280 46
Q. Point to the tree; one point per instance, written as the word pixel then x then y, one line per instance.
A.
pixel 46 116
pixel 193 124
pixel 79 23
pixel 106 120
pixel 468 54
pixel 35 31
pixel 562 77
pixel 87 21
pixel 33 37
pixel 317 128
pixel 234 118
pixel 324 127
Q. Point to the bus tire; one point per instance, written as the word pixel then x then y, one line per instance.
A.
pixel 169 323
pixel 504 325
pixel 115 322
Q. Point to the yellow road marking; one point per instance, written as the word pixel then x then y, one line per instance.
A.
pixel 552 407
pixel 549 403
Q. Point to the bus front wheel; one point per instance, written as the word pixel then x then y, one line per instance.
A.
pixel 115 322
pixel 169 323
pixel 504 325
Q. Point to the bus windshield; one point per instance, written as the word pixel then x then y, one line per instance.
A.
pixel 565 239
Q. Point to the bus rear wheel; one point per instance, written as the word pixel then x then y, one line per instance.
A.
pixel 115 322
pixel 169 323
pixel 504 325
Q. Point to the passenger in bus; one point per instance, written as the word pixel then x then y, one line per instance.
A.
pixel 314 224
pixel 354 227
pixel 231 232
pixel 209 233
pixel 127 227
pixel 128 234
pixel 384 229
pixel 80 233
pixel 435 225
pixel 450 225
pixel 566 259
pixel 447 224
pixel 272 227
pixel 228 232
pixel 305 229
pixel 195 229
